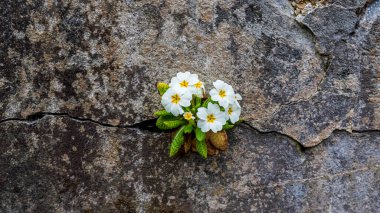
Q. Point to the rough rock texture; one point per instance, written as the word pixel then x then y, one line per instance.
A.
pixel 91 67
pixel 101 60
pixel 330 24
pixel 68 165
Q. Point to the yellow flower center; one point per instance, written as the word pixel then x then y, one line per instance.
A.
pixel 184 84
pixel 230 111
pixel 211 118
pixel 188 115
pixel 222 93
pixel 175 99
pixel 198 85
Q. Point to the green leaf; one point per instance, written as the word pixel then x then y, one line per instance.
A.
pixel 201 136
pixel 162 87
pixel 227 126
pixel 188 128
pixel 192 102
pixel 160 123
pixel 177 142
pixel 161 113
pixel 202 148
pixel 198 101
pixel 174 123
pixel 166 122
pixel 206 102
pixel 192 122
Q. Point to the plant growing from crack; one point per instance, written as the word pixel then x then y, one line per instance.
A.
pixel 200 121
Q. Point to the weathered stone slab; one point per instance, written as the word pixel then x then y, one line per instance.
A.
pixel 101 60
pixel 59 164
pixel 330 24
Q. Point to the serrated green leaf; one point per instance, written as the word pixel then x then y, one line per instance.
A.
pixel 167 122
pixel 162 87
pixel 188 129
pixel 160 123
pixel 202 148
pixel 201 136
pixel 162 113
pixel 174 123
pixel 177 142
pixel 228 126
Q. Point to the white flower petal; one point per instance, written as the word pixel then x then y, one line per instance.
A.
pixel 187 95
pixel 236 107
pixel 193 79
pixel 230 89
pixel 236 111
pixel 224 103
pixel 234 117
pixel 238 96
pixel 174 81
pixel 202 113
pixel 219 125
pixel 181 76
pixel 202 124
pixel 221 116
pixel 174 110
pixel 216 126
pixel 205 128
pixel 168 93
pixel 213 92
pixel 184 102
pixel 213 128
pixel 187 74
pixel 168 108
pixel 165 101
pixel 213 108
pixel 218 84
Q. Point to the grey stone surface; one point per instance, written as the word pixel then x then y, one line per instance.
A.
pixel 101 60
pixel 69 165
pixel 349 3
pixel 306 81
pixel 330 24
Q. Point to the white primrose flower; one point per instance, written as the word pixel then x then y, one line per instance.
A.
pixel 188 116
pixel 173 101
pixel 211 118
pixel 184 82
pixel 198 89
pixel 223 93
pixel 233 112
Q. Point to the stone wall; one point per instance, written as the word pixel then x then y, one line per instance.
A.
pixel 77 94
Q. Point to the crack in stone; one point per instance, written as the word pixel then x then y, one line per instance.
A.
pixel 299 146
pixel 148 125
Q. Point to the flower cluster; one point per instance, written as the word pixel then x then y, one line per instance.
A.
pixel 187 106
